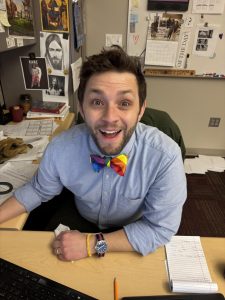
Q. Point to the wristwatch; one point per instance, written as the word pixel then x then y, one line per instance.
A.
pixel 101 245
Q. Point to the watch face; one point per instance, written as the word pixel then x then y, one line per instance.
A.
pixel 101 247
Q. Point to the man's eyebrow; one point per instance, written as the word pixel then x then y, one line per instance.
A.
pixel 122 92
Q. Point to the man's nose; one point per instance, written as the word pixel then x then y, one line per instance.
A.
pixel 110 113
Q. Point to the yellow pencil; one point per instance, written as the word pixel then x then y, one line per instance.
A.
pixel 115 289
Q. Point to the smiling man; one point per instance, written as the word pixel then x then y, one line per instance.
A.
pixel 127 178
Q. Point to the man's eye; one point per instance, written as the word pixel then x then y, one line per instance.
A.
pixel 97 102
pixel 125 103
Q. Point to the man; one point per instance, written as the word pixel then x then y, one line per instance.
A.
pixel 54 52
pixel 141 205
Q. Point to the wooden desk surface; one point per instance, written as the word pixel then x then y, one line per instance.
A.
pixel 136 275
pixel 18 222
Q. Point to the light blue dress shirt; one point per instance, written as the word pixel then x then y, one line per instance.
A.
pixel 147 201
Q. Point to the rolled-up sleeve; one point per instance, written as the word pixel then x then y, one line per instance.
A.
pixel 162 208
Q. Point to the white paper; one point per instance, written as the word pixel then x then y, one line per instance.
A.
pixel 30 128
pixel 208 6
pixel 205 40
pixel 16 173
pixel 76 72
pixel 182 60
pixel 187 266
pixel 4 18
pixel 2 5
pixel 203 163
pixel 161 53
pixel 113 39
pixel 61 228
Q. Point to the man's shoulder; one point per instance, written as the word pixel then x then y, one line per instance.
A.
pixel 152 138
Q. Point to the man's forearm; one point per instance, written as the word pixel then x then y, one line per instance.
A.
pixel 10 208
pixel 116 241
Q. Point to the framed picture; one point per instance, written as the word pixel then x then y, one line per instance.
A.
pixel 54 15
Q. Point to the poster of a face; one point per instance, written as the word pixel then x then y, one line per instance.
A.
pixel 20 16
pixel 55 49
pixel 54 15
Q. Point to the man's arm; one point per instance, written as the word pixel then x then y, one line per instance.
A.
pixel 10 208
pixel 71 245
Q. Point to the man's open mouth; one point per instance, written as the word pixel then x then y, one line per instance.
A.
pixel 109 133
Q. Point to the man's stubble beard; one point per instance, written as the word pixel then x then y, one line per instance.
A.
pixel 126 137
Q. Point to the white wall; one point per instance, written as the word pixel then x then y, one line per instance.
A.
pixel 190 102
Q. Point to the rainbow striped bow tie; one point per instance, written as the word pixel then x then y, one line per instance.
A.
pixel 118 163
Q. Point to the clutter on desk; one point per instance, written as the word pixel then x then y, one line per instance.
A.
pixel 11 147
pixel 17 113
pixel 30 128
pixel 16 173
pixel 25 100
pixel 204 163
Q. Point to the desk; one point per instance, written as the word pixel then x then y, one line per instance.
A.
pixel 136 275
pixel 18 222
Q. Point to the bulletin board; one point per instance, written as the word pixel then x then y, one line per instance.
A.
pixel 197 48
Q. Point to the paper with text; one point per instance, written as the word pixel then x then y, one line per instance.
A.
pixel 187 266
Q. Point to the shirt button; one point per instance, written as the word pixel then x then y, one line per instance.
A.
pixel 107 176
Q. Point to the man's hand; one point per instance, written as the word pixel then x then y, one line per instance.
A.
pixel 70 245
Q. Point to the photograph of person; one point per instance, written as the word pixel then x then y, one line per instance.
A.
pixel 56 85
pixel 34 73
pixel 55 50
pixel 54 15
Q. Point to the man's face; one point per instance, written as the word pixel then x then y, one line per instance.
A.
pixel 55 53
pixel 111 109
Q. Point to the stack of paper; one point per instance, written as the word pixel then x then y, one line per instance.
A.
pixel 30 128
pixel 203 163
pixel 187 266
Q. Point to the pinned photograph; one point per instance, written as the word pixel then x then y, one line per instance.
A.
pixel 165 26
pixel 55 50
pixel 20 16
pixel 34 73
pixel 56 85
pixel 54 15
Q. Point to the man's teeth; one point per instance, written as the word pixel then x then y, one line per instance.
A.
pixel 109 132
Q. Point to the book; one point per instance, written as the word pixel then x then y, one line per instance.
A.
pixel 48 107
pixel 43 115
pixel 187 267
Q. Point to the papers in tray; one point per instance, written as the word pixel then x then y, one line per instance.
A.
pixel 187 267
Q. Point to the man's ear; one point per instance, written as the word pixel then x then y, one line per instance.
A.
pixel 81 110
pixel 142 110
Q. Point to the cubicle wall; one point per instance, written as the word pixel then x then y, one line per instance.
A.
pixel 10 69
pixel 190 101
